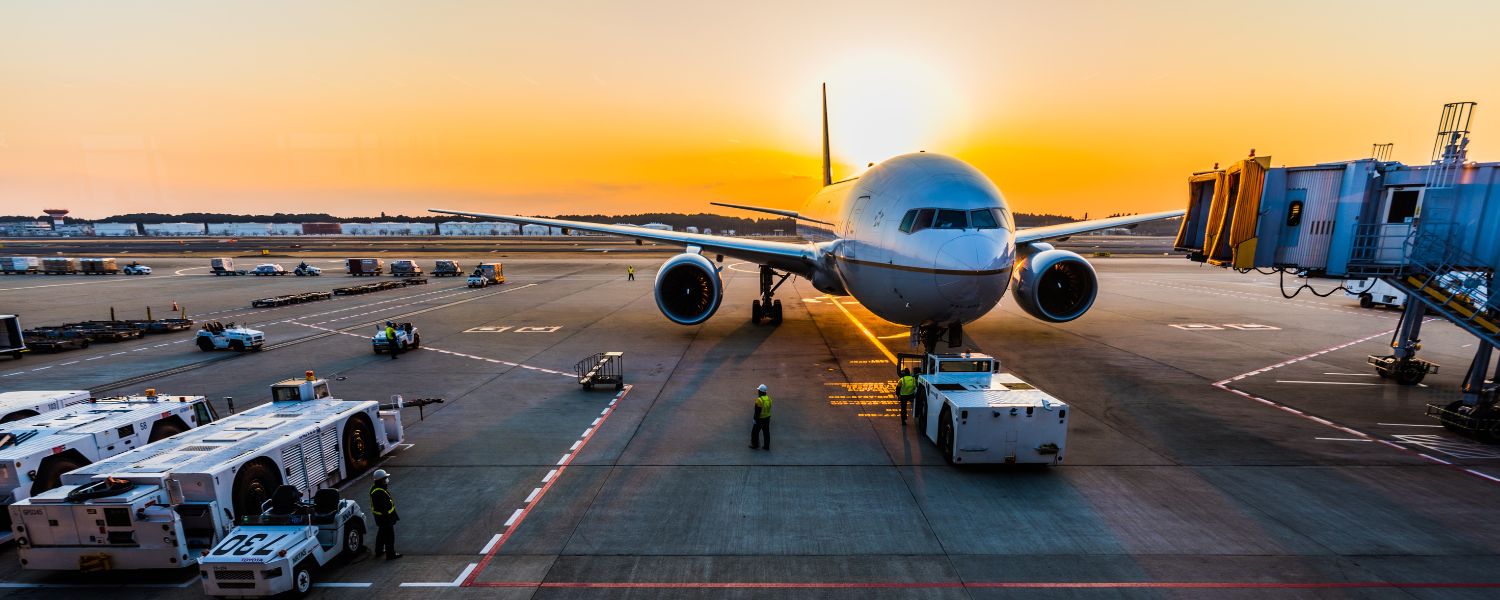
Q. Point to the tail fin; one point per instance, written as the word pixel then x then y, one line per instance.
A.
pixel 827 161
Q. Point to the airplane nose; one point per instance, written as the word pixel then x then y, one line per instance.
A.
pixel 971 270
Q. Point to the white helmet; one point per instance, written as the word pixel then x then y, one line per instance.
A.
pixel 762 389
pixel 381 474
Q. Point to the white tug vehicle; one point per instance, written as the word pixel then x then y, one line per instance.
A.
pixel 976 414
pixel 279 550
pixel 407 338
pixel 218 336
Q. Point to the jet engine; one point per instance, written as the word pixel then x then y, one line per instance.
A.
pixel 1053 285
pixel 688 289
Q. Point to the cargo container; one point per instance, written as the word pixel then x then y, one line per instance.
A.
pixel 163 504
pixel 225 266
pixel 446 268
pixel 364 266
pixel 98 266
pixel 59 265
pixel 20 265
pixel 405 268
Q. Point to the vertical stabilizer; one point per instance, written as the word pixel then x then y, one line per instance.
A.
pixel 827 160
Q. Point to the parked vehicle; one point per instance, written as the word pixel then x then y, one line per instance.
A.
pixel 407 338
pixel 307 270
pixel 217 336
pixel 136 268
pixel 487 273
pixel 281 548
pixel 269 269
pixel 55 265
pixel 364 266
pixel 225 266
pixel 447 268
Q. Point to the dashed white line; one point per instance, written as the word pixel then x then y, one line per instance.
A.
pixel 529 498
pixel 513 517
pixel 548 477
pixel 564 458
pixel 487 547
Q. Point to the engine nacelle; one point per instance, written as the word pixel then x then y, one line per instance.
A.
pixel 1053 285
pixel 688 289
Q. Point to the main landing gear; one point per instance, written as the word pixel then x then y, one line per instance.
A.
pixel 766 307
pixel 930 335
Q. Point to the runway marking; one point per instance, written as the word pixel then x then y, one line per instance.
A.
pixel 1354 374
pixel 1327 439
pixel 1277 301
pixel 486 548
pixel 1337 382
pixel 1019 585
pixel 535 497
pixel 21 585
pixel 336 584
pixel 455 583
pixel 1409 425
pixel 866 330
pixel 1223 384
pixel 126 279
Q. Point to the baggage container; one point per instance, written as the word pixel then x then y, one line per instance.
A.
pixel 164 504
pixel 364 266
pixel 446 268
pixel 20 265
pixel 405 268
pixel 98 266
pixel 59 266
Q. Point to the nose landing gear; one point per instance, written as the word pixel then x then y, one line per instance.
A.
pixel 768 308
pixel 929 336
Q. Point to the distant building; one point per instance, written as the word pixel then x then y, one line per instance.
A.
pixel 116 229
pixel 389 229
pixel 533 229
pixel 322 228
pixel 477 228
pixel 240 229
pixel 285 228
pixel 690 229
pixel 173 229
pixel 658 226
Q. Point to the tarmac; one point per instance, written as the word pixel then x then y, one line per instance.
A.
pixel 1226 442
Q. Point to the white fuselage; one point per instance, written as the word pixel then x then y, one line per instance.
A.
pixel 941 272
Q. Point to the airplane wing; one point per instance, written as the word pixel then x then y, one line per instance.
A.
pixel 1047 232
pixel 800 259
pixel 791 214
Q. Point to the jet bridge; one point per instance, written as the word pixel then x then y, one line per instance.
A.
pixel 1432 231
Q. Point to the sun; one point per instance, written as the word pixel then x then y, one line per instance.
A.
pixel 884 104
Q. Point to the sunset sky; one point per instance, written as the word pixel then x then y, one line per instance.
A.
pixel 354 108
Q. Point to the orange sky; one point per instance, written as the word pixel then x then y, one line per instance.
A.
pixel 354 108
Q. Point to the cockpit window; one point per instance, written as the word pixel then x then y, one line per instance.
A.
pixel 906 221
pixel 920 219
pixel 983 218
pixel 951 219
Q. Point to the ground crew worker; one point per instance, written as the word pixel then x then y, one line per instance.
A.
pixel 383 506
pixel 906 390
pixel 762 420
pixel 629 272
pixel 390 340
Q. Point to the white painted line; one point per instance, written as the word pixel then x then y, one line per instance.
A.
pixel 549 476
pixel 339 584
pixel 68 363
pixel 529 498
pixel 595 423
pixel 604 412
pixel 574 448
pixel 564 458
pixel 1486 476
pixel 486 549
pixel 10 374
pixel 117 354
pixel 1354 374
pixel 1408 425
pixel 94 358
pixel 587 432
pixel 1326 382
pixel 41 368
pixel 1341 439
pixel 513 517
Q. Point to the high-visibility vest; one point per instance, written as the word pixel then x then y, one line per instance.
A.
pixel 390 335
pixel 630 269
pixel 907 386
pixel 377 512
pixel 763 406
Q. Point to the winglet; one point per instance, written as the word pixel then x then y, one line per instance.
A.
pixel 827 160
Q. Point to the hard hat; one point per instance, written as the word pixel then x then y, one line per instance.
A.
pixel 381 474
pixel 762 389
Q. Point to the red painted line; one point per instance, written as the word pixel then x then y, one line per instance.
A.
pixel 555 475
pixel 1188 585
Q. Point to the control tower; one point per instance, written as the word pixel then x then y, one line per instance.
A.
pixel 57 215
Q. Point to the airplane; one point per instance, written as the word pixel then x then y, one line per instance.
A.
pixel 922 240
